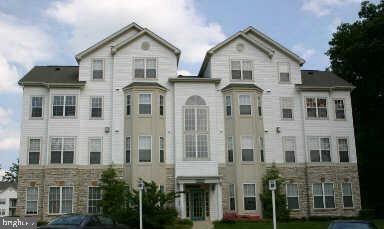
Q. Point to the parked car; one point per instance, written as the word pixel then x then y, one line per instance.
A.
pixel 77 221
pixel 351 224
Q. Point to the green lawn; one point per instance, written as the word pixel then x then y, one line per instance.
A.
pixel 289 225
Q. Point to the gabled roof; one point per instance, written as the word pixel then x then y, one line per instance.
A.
pixel 248 86
pixel 269 52
pixel 52 76
pixel 87 51
pixel 277 45
pixel 148 32
pixel 5 185
pixel 322 80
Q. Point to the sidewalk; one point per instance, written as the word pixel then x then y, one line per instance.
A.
pixel 202 225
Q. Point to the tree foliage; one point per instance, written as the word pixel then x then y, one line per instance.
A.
pixel 356 53
pixel 12 174
pixel 282 213
pixel 122 203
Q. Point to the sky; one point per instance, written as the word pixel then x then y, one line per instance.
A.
pixel 51 32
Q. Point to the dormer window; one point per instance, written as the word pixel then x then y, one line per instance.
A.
pixel 242 69
pixel 145 68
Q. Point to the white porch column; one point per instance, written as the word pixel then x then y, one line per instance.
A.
pixel 219 201
pixel 182 205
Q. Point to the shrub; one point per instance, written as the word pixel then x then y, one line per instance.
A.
pixel 367 214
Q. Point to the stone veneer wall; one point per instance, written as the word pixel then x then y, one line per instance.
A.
pixel 80 177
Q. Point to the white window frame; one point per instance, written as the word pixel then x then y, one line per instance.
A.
pixel 320 149
pixel 262 149
pixel 338 148
pixel 317 107
pixel 64 107
pixel 29 149
pixel 253 148
pixel 323 196
pixel 230 141
pixel 138 149
pixel 344 110
pixel 160 148
pixel 230 105
pixel 342 195
pixel 101 149
pixel 128 104
pixel 242 69
pixel 298 196
pixel 130 150
pixel 61 199
pixel 31 107
pixel 254 184
pixel 288 138
pixel 162 97
pixel 37 201
pixel 234 196
pixel 279 64
pixel 138 104
pixel 62 149
pixel 93 68
pixel 283 106
pixel 250 104
pixel 102 107
pixel 88 199
pixel 145 68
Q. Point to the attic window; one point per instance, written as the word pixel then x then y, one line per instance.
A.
pixel 240 47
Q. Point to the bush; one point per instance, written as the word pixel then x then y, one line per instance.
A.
pixel 41 223
pixel 367 214
pixel 185 222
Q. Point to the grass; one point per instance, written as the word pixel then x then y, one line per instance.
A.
pixel 286 225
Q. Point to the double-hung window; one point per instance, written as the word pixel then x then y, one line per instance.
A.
pixel 94 198
pixel 261 139
pixel 339 109
pixel 34 151
pixel 145 148
pixel 97 69
pixel 96 107
pixel 242 69
pixel 342 145
pixel 247 148
pixel 249 197
pixel 319 149
pixel 230 149
pixel 161 105
pixel 245 105
pixel 60 200
pixel 64 106
pixel 259 108
pixel 62 150
pixel 32 200
pixel 128 150
pixel 145 104
pixel 292 196
pixel 347 195
pixel 145 68
pixel 95 146
pixel 289 147
pixel 286 104
pixel 284 76
pixel 162 149
pixel 228 105
pixel 129 105
pixel 323 195
pixel 232 198
pixel 36 107
pixel 316 108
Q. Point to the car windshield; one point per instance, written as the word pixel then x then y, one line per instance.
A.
pixel 350 225
pixel 105 220
pixel 68 220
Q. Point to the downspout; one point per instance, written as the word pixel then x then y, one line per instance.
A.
pixel 112 106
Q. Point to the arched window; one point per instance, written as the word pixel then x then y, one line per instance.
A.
pixel 195 128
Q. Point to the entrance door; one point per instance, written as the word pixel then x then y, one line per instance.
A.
pixel 197 204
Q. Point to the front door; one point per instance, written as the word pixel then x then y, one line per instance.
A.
pixel 197 204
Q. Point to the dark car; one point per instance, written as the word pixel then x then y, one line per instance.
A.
pixel 352 224
pixel 77 221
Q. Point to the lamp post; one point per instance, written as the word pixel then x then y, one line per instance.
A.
pixel 141 187
pixel 272 187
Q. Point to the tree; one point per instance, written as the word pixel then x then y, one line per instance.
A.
pixel 13 173
pixel 356 53
pixel 282 213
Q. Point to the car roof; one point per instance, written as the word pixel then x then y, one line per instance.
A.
pixel 351 221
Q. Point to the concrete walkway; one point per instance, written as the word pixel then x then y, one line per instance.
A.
pixel 202 225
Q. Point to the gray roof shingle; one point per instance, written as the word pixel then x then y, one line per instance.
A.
pixel 5 185
pixel 52 75
pixel 322 79
pixel 241 86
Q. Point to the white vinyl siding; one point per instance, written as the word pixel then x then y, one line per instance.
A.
pixel 145 148
pixel 289 148
pixel 32 199
pixel 319 149
pixel 247 148
pixel 60 200
pixel 323 195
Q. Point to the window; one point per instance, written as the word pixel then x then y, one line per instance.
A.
pixel 145 68
pixel 342 144
pixel 195 129
pixel 60 200
pixel 37 106
pixel 161 147
pixel 34 151
pixel 3 201
pixel 241 69
pixel 289 147
pixel 247 148
pixel 232 200
pixel 128 150
pixel 228 105
pixel 94 198
pixel 286 104
pixel 95 145
pixel 316 108
pixel 245 105
pixel 347 195
pixel 62 150
pixel 261 139
pixel 129 104
pixel 292 196
pixel 97 107
pixel 259 109
pixel 145 147
pixel 323 195
pixel 249 196
pixel 161 105
pixel 230 147
pixel 284 76
pixel 12 206
pixel 339 109
pixel 145 104
pixel 64 106
pixel 98 68
pixel 32 200
pixel 161 188
pixel 319 149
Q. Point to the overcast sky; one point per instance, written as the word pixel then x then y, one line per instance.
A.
pixel 48 32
